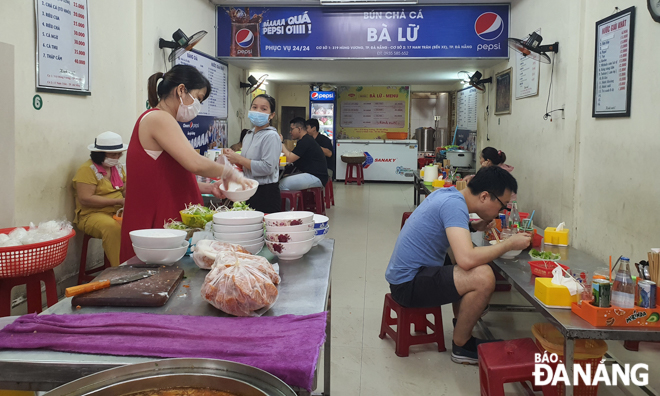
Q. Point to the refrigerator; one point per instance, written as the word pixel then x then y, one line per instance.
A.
pixel 387 160
pixel 323 107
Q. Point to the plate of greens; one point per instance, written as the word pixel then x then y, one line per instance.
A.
pixel 535 254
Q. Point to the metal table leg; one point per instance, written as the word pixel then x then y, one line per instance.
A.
pixel 326 351
pixel 569 349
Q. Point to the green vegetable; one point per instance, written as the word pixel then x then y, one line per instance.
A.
pixel 176 225
pixel 240 206
pixel 544 255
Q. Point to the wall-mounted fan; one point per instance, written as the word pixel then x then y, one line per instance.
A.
pixel 253 84
pixel 476 81
pixel 531 47
pixel 181 43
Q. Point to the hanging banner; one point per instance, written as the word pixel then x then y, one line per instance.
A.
pixel 456 31
pixel 205 132
pixel 372 112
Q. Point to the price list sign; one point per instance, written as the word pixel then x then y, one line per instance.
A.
pixel 613 66
pixel 466 105
pixel 62 46
pixel 216 105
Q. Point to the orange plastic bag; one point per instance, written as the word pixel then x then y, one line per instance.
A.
pixel 553 342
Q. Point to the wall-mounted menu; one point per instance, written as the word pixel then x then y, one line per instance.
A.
pixel 374 114
pixel 613 66
pixel 466 109
pixel 63 46
pixel 216 105
pixel 527 76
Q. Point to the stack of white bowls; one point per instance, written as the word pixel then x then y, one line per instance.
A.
pixel 321 228
pixel 243 228
pixel 159 245
pixel 289 235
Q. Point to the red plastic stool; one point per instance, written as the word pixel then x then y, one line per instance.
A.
pixel 295 197
pixel 84 274
pixel 506 361
pixel 359 176
pixel 33 283
pixel 404 317
pixel 313 200
pixel 405 217
pixel 329 194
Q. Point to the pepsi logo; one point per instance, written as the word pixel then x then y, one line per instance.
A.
pixel 315 95
pixel 489 26
pixel 244 38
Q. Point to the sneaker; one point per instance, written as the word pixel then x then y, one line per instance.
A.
pixel 467 354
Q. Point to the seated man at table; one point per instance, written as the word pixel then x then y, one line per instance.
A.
pixel 308 159
pixel 417 272
pixel 326 144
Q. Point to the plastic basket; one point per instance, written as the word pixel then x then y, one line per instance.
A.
pixel 353 160
pixel 31 259
pixel 543 268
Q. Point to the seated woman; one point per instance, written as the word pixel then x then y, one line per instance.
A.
pixel 99 191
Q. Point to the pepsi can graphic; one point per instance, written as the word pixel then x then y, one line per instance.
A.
pixel 245 40
pixel 647 293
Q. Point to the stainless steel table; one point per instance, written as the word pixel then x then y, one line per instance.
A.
pixel 304 290
pixel 518 273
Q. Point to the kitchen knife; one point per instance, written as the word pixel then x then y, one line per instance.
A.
pixel 81 289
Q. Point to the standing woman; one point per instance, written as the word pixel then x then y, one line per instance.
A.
pixel 260 155
pixel 162 162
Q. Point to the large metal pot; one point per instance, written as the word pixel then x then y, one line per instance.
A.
pixel 221 375
pixel 425 139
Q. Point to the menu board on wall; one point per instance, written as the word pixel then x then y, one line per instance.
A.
pixel 216 105
pixel 62 46
pixel 372 112
pixel 466 109
pixel 527 76
pixel 613 64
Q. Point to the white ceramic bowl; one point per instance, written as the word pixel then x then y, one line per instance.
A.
pixel 232 229
pixel 321 231
pixel 238 237
pixel 320 221
pixel 317 239
pixel 234 192
pixel 246 242
pixel 158 238
pixel 297 228
pixel 289 236
pixel 291 218
pixel 510 254
pixel 161 256
pixel 238 218
pixel 291 250
pixel 254 248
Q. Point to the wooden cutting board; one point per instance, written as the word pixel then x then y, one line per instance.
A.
pixel 153 291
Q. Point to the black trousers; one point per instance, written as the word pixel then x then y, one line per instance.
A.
pixel 267 198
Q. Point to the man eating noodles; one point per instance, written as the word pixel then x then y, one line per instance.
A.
pixel 419 272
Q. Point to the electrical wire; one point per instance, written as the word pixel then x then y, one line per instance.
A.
pixel 487 112
pixel 552 72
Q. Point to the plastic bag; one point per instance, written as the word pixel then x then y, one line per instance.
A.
pixel 206 251
pixel 553 341
pixel 238 285
pixel 46 231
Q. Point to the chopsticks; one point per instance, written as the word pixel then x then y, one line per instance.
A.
pixel 495 233
pixel 654 265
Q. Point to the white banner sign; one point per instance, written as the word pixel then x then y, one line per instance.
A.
pixel 527 76
pixel 216 105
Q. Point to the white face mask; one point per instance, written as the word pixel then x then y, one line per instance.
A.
pixel 188 112
pixel 110 162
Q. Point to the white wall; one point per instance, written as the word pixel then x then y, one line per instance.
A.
pixel 7 133
pixel 597 175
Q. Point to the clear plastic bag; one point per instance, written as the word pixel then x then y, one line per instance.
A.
pixel 206 251
pixel 240 285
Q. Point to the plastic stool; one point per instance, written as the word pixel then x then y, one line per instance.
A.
pixel 33 283
pixel 295 197
pixel 506 361
pixel 359 176
pixel 404 317
pixel 313 200
pixel 404 218
pixel 84 274
pixel 329 194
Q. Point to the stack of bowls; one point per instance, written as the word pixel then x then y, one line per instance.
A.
pixel 159 245
pixel 243 228
pixel 321 228
pixel 289 235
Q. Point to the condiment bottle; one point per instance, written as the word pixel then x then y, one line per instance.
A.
pixel 623 290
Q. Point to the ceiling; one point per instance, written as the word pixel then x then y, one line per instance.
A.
pixel 367 72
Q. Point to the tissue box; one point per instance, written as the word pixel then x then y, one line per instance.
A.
pixel 554 237
pixel 553 296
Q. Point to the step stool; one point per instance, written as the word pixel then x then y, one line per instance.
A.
pixel 359 175
pixel 84 274
pixel 295 197
pixel 329 194
pixel 313 200
pixel 506 361
pixel 33 283
pixel 402 337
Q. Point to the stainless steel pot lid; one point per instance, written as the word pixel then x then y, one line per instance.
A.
pixel 170 373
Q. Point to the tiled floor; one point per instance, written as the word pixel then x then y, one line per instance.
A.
pixel 365 224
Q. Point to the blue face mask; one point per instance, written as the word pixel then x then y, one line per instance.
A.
pixel 258 118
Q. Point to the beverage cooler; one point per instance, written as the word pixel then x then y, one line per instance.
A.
pixel 323 107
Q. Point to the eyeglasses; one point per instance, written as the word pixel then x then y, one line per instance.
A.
pixel 504 207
